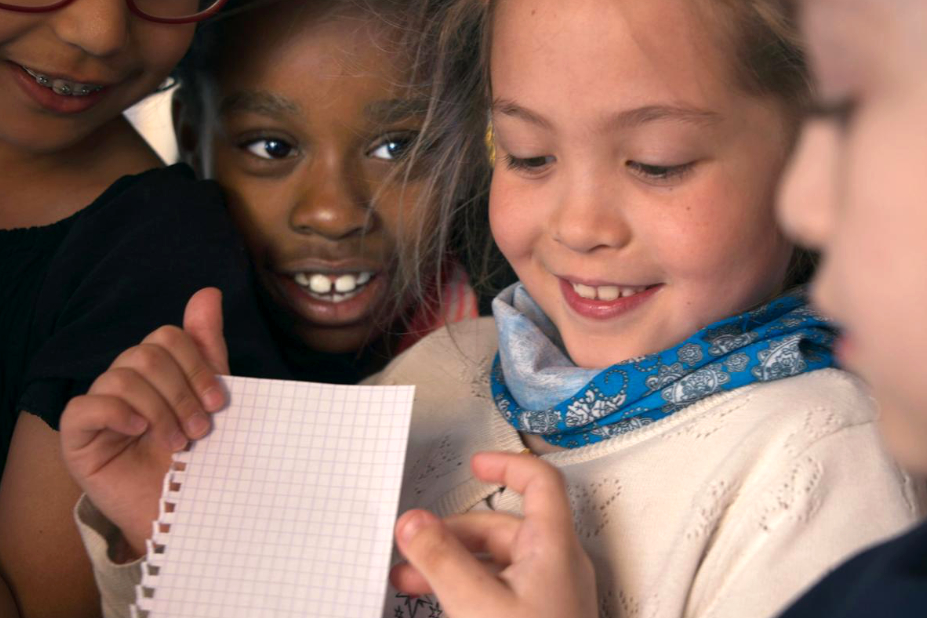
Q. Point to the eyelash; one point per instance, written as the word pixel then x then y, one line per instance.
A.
pixel 659 173
pixel 529 165
pixel 649 172
pixel 842 112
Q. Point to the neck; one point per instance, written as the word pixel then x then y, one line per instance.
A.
pixel 40 188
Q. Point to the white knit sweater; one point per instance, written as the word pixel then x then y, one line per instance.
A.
pixel 726 509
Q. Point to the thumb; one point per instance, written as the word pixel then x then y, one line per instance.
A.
pixel 202 320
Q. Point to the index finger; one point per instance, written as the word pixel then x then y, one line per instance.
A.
pixel 541 485
pixel 196 368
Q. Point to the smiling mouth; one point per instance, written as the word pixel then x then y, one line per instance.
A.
pixel 62 87
pixel 333 288
pixel 606 292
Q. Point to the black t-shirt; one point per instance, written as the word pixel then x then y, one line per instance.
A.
pixel 75 294
pixel 887 580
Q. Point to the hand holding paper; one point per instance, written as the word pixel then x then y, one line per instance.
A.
pixel 117 440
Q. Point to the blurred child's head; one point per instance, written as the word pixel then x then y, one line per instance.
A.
pixel 856 190
pixel 637 147
pixel 66 73
pixel 316 109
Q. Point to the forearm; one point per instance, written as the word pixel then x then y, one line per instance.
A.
pixel 42 561
pixel 7 602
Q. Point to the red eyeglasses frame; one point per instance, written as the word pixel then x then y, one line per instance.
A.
pixel 132 7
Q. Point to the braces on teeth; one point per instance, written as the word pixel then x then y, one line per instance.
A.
pixel 62 86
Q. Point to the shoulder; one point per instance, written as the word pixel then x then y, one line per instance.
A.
pixel 822 415
pixel 822 387
pixel 810 408
pixel 170 194
pixel 764 422
pixel 462 351
pixel 154 222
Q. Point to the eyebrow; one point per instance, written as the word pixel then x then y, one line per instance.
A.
pixel 258 102
pixel 626 119
pixel 388 111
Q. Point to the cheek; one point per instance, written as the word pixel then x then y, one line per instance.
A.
pixel 724 242
pixel 258 208
pixel 807 196
pixel 880 257
pixel 406 217
pixel 162 47
pixel 509 221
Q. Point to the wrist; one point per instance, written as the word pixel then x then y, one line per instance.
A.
pixel 123 551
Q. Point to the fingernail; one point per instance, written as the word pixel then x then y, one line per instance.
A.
pixel 178 440
pixel 413 524
pixel 197 425
pixel 137 424
pixel 213 399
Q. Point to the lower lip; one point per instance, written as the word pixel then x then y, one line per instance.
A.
pixel 604 309
pixel 49 100
pixel 326 313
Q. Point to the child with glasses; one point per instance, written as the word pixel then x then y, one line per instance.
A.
pixel 99 244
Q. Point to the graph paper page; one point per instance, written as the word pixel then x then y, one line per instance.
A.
pixel 285 509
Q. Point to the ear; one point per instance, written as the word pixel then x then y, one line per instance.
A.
pixel 188 139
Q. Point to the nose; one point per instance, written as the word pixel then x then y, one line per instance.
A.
pixel 333 201
pixel 808 196
pixel 99 27
pixel 588 216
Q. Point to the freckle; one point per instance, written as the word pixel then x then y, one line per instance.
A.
pixel 533 11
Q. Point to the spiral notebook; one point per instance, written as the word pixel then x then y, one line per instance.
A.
pixel 285 509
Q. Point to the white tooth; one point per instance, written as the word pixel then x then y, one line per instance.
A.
pixel 345 283
pixel 363 278
pixel 608 292
pixel 584 290
pixel 337 298
pixel 320 284
pixel 62 87
pixel 301 278
pixel 625 292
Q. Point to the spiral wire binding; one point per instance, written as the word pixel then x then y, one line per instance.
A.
pixel 157 545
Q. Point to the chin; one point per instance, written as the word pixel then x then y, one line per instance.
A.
pixel 335 340
pixel 38 141
pixel 588 354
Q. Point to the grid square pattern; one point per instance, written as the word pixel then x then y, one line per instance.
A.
pixel 287 508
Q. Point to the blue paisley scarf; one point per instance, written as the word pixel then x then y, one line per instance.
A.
pixel 539 390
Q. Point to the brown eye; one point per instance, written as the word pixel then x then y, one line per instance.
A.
pixel 271 148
